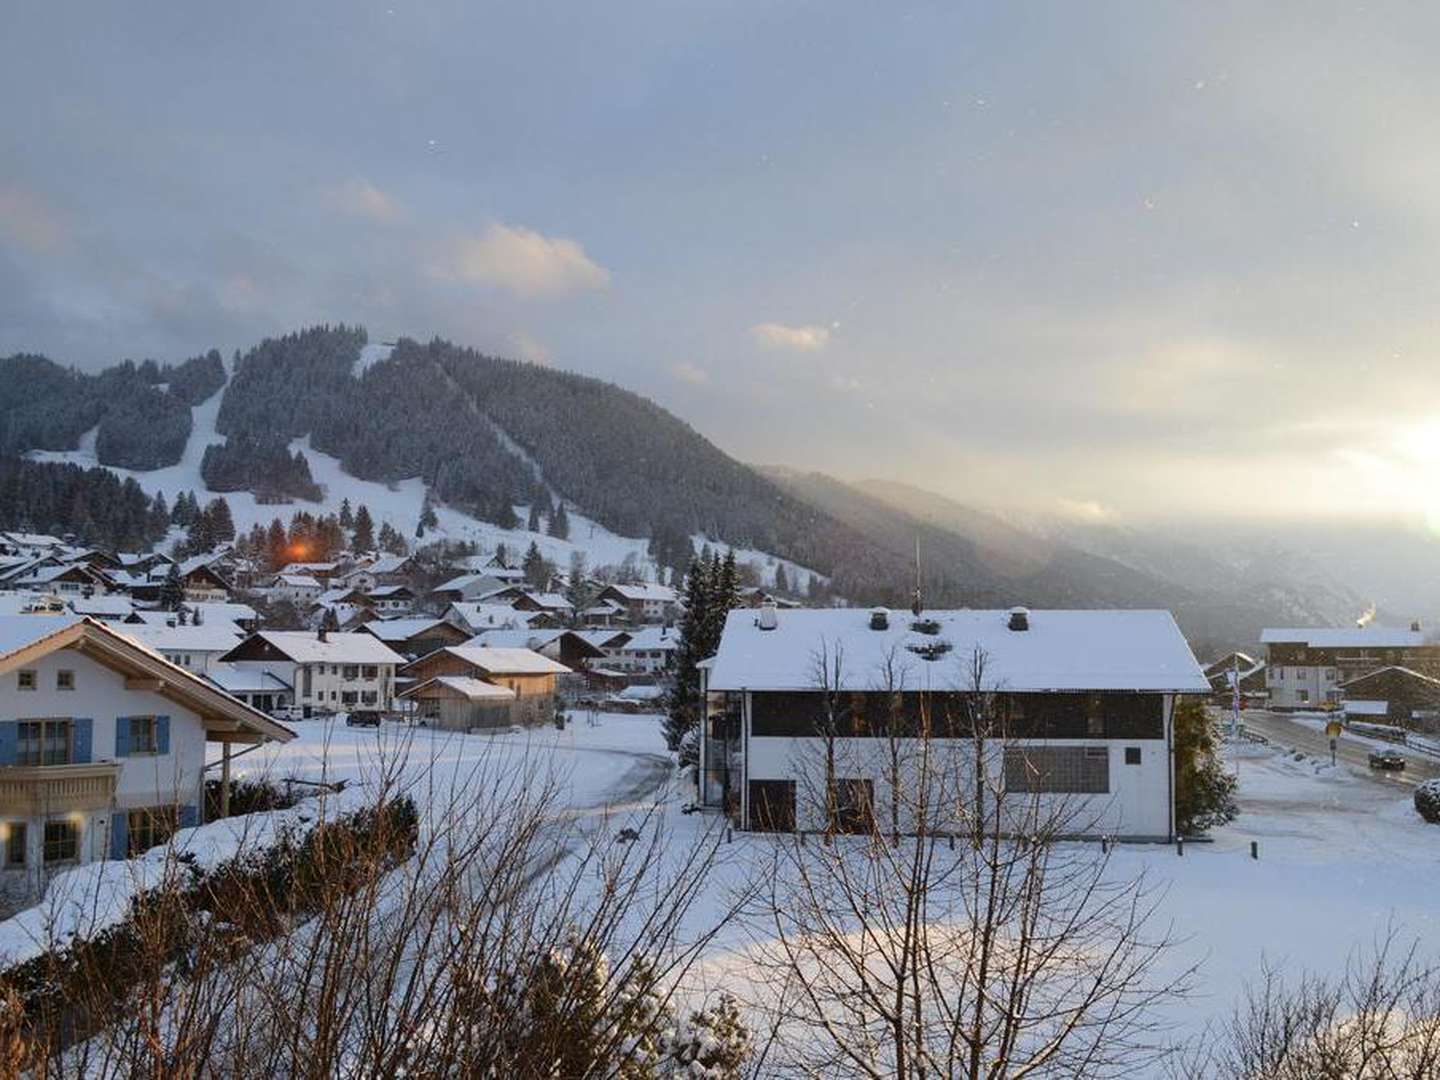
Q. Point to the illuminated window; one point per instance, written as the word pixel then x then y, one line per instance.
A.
pixel 62 841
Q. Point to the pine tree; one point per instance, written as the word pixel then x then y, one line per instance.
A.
pixel 172 592
pixel 220 525
pixel 1204 788
pixel 532 521
pixel 428 518
pixel 683 715
pixel 364 535
pixel 275 545
pixel 782 583
pixel 560 523
pixel 534 566
pixel 391 542
pixel 347 516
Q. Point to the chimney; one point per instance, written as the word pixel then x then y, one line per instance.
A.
pixel 1415 626
pixel 879 619
pixel 324 634
pixel 769 618
pixel 1019 618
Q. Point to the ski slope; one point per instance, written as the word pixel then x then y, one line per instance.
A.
pixel 398 503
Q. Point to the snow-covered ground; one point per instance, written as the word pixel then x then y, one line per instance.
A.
pixel 1342 858
pixel 398 503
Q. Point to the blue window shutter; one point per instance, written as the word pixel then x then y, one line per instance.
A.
pixel 119 834
pixel 84 730
pixel 189 817
pixel 162 734
pixel 122 736
pixel 9 741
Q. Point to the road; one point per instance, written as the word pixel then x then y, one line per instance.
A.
pixel 1285 731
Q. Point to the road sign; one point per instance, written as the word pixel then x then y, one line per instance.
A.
pixel 1333 729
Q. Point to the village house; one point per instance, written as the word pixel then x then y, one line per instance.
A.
pixel 1078 706
pixel 328 671
pixel 647 651
pixel 1304 669
pixel 531 676
pixel 202 580
pixel 300 589
pixel 568 647
pixel 461 703
pixel 102 746
pixel 415 637
pixel 257 688
pixel 473 588
pixel 194 648
pixel 66 580
pixel 392 600
pixel 644 603
pixel 474 618
pixel 1396 696
pixel 115 608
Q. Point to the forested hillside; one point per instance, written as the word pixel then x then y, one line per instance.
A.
pixel 94 504
pixel 142 411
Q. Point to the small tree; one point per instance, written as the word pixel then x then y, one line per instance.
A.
pixel 172 592
pixel 1204 788
pixel 363 538
pixel 560 523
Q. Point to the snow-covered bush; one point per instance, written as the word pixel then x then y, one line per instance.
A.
pixel 1427 801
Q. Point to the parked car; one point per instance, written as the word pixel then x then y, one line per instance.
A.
pixel 363 718
pixel 1388 760
pixel 289 712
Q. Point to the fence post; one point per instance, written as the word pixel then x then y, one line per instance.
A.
pixel 1180 846
pixel 1254 849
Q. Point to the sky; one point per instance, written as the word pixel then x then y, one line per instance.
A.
pixel 1115 261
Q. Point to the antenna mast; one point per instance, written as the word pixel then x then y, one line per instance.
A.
pixel 915 604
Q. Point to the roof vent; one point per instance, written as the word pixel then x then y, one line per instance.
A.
pixel 768 619
pixel 879 619
pixel 1019 618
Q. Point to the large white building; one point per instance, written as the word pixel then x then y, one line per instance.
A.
pixel 1304 668
pixel 328 672
pixel 1077 707
pixel 102 746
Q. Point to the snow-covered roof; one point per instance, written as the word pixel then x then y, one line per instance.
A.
pixel 102 605
pixel 515 639
pixel 500 616
pixel 1345 637
pixel 308 567
pixel 299 581
pixel 503 661
pixel 1367 708
pixel 18 631
pixel 222 611
pixel 602 639
pixel 652 637
pixel 403 629
pixel 388 564
pixel 208 637
pixel 645 591
pixel 642 693
pixel 245 680
pixel 460 583
pixel 1133 650
pixel 382 592
pixel 550 601
pixel 305 647
pixel 470 687
pixel 1397 669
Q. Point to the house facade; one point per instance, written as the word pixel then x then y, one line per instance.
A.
pixel 1070 713
pixel 1305 668
pixel 530 676
pixel 644 603
pixel 328 672
pixel 102 746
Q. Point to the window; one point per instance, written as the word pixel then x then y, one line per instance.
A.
pixel 854 805
pixel 352 671
pixel 142 735
pixel 43 742
pixel 348 697
pixel 772 805
pixel 15 844
pixel 1330 674
pixel 1132 755
pixel 64 680
pixel 26 680
pixel 1076 770
pixel 1302 696
pixel 62 841
pixel 370 671
pixel 368 697
pixel 148 827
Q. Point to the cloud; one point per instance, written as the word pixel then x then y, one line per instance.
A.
pixel 771 335
pixel 26 220
pixel 363 199
pixel 690 373
pixel 528 348
pixel 522 261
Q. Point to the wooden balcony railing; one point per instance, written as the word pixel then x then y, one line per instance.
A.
pixel 31 790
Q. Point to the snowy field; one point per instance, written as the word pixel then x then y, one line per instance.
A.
pixel 1342 858
pixel 398 503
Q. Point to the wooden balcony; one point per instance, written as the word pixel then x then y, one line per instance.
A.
pixel 33 790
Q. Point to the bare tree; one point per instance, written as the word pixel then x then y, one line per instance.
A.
pixel 1011 954
pixel 1379 1020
